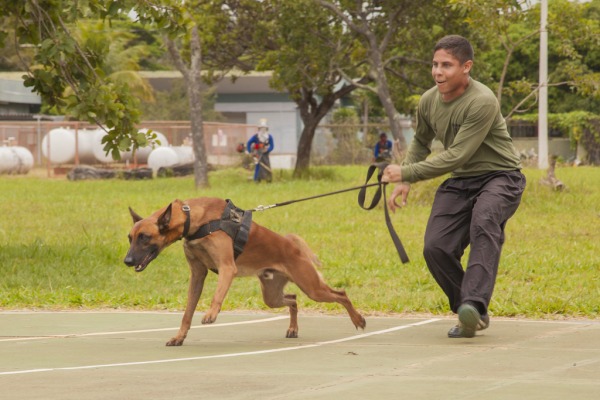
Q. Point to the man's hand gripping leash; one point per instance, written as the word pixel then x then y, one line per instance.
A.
pixel 393 173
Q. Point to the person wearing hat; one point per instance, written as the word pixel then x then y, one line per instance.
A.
pixel 260 146
pixel 383 149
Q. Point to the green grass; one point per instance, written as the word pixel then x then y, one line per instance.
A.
pixel 62 244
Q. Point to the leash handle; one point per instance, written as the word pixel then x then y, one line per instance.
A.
pixel 388 221
pixel 363 191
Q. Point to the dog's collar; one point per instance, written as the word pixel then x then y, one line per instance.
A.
pixel 186 226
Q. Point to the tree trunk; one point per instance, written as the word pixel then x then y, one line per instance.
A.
pixel 192 79
pixel 503 75
pixel 305 147
pixel 394 120
pixel 311 113
pixel 195 98
pixel 383 92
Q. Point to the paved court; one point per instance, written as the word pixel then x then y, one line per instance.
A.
pixel 113 355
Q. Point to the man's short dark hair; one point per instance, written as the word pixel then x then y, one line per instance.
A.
pixel 456 45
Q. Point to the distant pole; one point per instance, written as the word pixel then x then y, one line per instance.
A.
pixel 543 90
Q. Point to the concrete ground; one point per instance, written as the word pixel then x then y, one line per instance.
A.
pixel 121 355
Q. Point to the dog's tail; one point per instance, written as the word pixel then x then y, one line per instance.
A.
pixel 304 248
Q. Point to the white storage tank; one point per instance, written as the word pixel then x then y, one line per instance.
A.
pixel 63 146
pixel 15 160
pixel 162 157
pixel 85 145
pixel 184 153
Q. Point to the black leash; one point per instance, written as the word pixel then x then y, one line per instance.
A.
pixel 285 203
pixel 388 221
pixel 361 202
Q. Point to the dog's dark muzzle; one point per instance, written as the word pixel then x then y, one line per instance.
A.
pixel 140 261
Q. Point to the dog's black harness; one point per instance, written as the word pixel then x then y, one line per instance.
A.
pixel 234 221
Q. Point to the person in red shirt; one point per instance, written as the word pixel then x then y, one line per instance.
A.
pixel 260 146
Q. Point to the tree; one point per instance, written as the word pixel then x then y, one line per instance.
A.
pixel 506 22
pixel 62 62
pixel 510 29
pixel 213 40
pixel 302 46
pixel 191 76
pixel 65 61
pixel 173 105
pixel 121 54
pixel 396 38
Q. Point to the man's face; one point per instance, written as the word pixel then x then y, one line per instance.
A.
pixel 450 76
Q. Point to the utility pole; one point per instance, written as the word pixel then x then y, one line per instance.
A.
pixel 543 90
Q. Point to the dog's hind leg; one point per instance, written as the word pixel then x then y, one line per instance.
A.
pixel 310 282
pixel 272 284
pixel 304 274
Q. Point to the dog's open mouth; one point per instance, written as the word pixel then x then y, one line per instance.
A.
pixel 140 268
pixel 142 265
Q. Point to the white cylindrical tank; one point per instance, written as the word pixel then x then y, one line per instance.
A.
pixel 143 153
pixel 85 145
pixel 62 146
pixel 162 157
pixel 15 160
pixel 184 153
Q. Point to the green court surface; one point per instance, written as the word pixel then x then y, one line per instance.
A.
pixel 121 355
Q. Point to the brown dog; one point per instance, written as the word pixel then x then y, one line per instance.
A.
pixel 273 258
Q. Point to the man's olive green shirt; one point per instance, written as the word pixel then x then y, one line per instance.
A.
pixel 472 131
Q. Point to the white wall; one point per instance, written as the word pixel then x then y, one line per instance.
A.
pixel 282 119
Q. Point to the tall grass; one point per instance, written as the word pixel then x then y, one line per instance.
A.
pixel 62 244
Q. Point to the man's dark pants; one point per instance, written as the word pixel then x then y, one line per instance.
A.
pixel 470 211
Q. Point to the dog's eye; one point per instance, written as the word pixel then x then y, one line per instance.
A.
pixel 129 237
pixel 143 238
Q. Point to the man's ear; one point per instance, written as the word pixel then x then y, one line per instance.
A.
pixel 164 220
pixel 467 66
pixel 135 216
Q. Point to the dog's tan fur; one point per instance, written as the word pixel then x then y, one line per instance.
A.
pixel 274 259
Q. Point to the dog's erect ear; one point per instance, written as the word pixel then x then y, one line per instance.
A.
pixel 135 216
pixel 164 220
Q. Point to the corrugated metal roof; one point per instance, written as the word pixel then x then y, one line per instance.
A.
pixel 13 91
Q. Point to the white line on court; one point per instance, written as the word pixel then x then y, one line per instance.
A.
pixel 248 353
pixel 256 321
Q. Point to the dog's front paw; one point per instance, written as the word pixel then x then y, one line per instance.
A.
pixel 291 333
pixel 175 342
pixel 208 319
